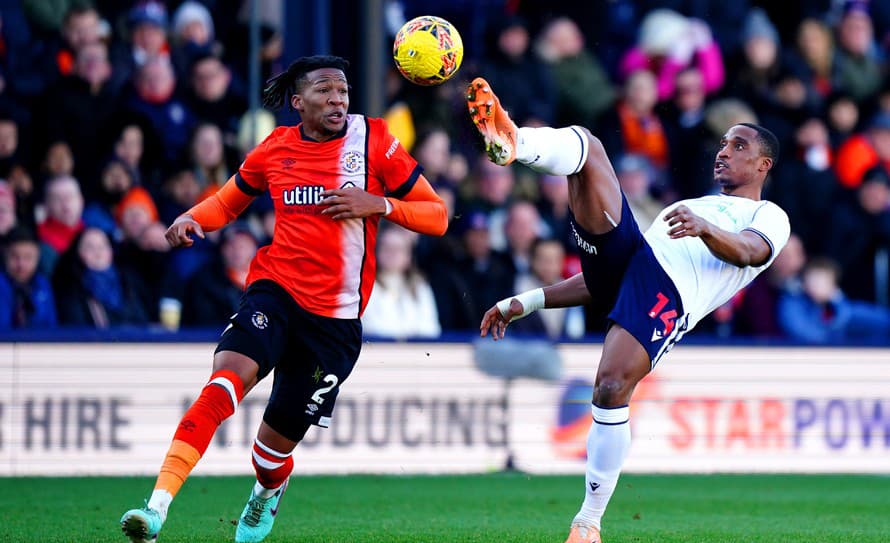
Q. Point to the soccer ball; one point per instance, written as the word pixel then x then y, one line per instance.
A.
pixel 428 50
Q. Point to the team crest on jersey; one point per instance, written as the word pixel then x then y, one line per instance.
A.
pixel 352 161
pixel 260 320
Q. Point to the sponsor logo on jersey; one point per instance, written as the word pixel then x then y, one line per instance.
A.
pixel 392 148
pixel 352 161
pixel 260 320
pixel 584 245
pixel 302 195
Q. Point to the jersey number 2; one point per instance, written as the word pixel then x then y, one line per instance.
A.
pixel 329 378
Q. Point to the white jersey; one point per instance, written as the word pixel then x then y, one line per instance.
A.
pixel 704 281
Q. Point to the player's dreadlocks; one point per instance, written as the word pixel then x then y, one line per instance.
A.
pixel 279 88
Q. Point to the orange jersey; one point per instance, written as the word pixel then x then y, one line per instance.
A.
pixel 328 266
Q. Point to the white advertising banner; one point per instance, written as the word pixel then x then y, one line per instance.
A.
pixel 74 409
pixel 710 409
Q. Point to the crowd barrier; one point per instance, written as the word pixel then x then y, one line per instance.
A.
pixel 110 409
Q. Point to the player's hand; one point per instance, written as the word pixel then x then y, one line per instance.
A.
pixel 351 203
pixel 684 223
pixel 179 233
pixel 497 322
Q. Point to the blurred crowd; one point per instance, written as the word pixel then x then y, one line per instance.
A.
pixel 115 117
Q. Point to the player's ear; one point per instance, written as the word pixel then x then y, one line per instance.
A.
pixel 296 101
pixel 766 164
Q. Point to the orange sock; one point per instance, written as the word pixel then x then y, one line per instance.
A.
pixel 217 402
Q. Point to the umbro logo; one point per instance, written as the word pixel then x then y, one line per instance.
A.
pixel 593 486
pixel 288 163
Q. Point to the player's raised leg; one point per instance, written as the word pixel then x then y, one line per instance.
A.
pixel 234 374
pixel 273 463
pixel 595 195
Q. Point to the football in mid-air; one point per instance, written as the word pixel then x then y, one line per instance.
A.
pixel 428 50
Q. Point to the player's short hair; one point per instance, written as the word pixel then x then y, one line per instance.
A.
pixel 291 80
pixel 769 143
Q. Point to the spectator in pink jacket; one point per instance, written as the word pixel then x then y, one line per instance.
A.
pixel 669 42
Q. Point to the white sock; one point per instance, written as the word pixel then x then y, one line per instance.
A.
pixel 556 151
pixel 160 502
pixel 607 446
pixel 262 492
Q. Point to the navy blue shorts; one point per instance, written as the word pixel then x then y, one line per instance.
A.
pixel 312 355
pixel 629 286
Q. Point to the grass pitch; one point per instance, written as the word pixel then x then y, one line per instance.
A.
pixel 507 507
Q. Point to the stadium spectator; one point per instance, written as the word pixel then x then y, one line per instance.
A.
pixel 669 42
pixel 115 181
pixel 491 191
pixel 155 99
pixel 91 290
pixel 820 313
pixel 64 213
pixel 529 91
pixel 547 264
pixel 479 276
pixel 323 231
pixel 147 25
pixel 842 115
pixel 214 96
pixel 864 151
pixel 684 126
pixel 192 34
pixel 859 238
pixel 757 310
pixel 636 176
pixel 553 206
pixel 758 64
pixel 583 88
pixel 81 26
pixel 814 57
pixel 8 216
pixel 521 228
pixel 58 161
pixel 213 293
pixel 208 157
pixel 133 142
pixel 10 154
pixel 634 126
pixel 805 186
pixel 858 56
pixel 85 103
pixel 26 296
pixel 707 250
pixel 403 305
pixel 433 149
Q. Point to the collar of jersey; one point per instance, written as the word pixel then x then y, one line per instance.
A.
pixel 304 137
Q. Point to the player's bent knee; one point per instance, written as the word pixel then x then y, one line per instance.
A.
pixel 612 391
pixel 285 422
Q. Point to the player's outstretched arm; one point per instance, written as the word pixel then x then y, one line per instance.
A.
pixel 742 249
pixel 209 215
pixel 567 293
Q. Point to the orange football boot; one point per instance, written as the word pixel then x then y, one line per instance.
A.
pixel 492 121
pixel 584 534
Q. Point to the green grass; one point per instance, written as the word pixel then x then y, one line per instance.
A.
pixel 465 509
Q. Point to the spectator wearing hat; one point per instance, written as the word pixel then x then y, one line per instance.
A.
pixel 669 42
pixel 757 65
pixel 192 35
pixel 26 296
pixel 147 25
pixel 215 290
